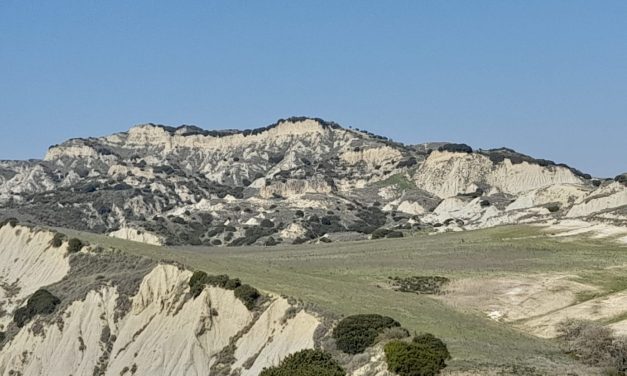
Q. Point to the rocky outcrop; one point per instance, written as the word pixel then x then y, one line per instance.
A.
pixel 447 174
pixel 164 185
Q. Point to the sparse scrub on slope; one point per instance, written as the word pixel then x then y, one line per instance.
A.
pixel 306 363
pixel 594 344
pixel 246 293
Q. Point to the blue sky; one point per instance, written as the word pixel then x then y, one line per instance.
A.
pixel 547 78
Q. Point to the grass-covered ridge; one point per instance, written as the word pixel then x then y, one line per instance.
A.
pixel 347 279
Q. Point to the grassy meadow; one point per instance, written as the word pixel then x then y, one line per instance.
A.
pixel 348 278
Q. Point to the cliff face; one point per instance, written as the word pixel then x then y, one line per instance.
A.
pixel 185 185
pixel 158 329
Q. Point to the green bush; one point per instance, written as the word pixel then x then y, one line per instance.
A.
pixel 425 356
pixel 306 363
pixel 248 295
pixel 433 343
pixel 419 284
pixel 42 302
pixel 354 334
pixel 74 245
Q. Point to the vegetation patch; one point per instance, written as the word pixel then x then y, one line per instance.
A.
pixel 57 240
pixel 595 345
pixel 10 221
pixel 386 233
pixel 354 334
pixel 426 355
pixel 306 363
pixel 74 245
pixel 42 302
pixel 419 284
pixel 246 293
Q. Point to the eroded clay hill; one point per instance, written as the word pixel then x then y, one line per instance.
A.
pixel 298 180
pixel 123 315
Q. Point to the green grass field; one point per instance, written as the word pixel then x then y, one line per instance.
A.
pixel 343 278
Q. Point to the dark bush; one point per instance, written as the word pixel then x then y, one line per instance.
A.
pixel 414 359
pixel 74 245
pixel 248 295
pixel 42 302
pixel 380 233
pixel 553 208
pixel 386 233
pixel 299 213
pixel 394 234
pixel 57 240
pixel 433 343
pixel 354 334
pixel 456 148
pixel 266 223
pixel 306 363
pixel 270 242
pixel 10 221
pixel 407 163
pixel 121 187
pixel 419 284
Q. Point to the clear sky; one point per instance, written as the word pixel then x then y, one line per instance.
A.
pixel 546 77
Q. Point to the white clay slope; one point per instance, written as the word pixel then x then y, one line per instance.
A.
pixel 447 174
pixel 166 333
pixel 27 262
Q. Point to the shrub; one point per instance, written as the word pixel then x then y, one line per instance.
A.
pixel 380 233
pixel 299 213
pixel 248 295
pixel 74 245
pixel 419 284
pixel 270 242
pixel 456 148
pixel 306 363
pixel 433 343
pixel 416 358
pixel 10 221
pixel 594 344
pixel 553 207
pixel 57 240
pixel 267 223
pixel 394 234
pixel 42 302
pixel 355 333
